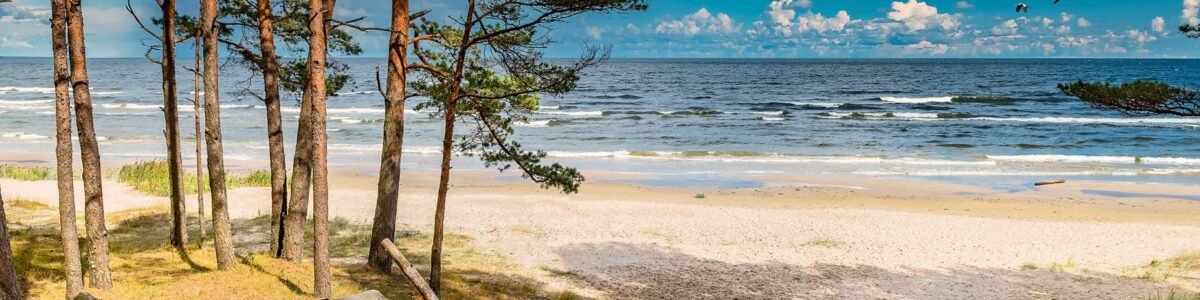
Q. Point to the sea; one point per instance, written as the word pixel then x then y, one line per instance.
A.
pixel 700 122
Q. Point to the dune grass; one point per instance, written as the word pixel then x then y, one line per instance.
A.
pixel 152 177
pixel 1185 265
pixel 146 267
pixel 26 173
pixel 1175 295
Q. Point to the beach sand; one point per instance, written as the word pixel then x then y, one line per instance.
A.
pixel 829 237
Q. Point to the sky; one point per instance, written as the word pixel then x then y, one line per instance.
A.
pixel 739 28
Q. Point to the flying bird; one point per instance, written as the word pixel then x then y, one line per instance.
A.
pixel 1021 7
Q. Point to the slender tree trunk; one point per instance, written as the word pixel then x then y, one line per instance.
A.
pixel 393 141
pixel 64 151
pixel 98 270
pixel 222 234
pixel 171 114
pixel 297 208
pixel 270 69
pixel 199 148
pixel 316 87
pixel 435 256
pixel 8 273
pixel 302 167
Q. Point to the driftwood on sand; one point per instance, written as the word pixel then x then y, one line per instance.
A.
pixel 1049 182
pixel 409 271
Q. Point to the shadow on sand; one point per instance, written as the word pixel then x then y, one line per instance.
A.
pixel 647 272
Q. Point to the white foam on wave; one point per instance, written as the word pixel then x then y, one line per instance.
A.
pixel 818 104
pixel 26 102
pixel 947 99
pixel 22 136
pixel 573 113
pixel 535 124
pixel 768 113
pixel 26 89
pixel 915 116
pixel 1095 120
pixel 1097 159
pixel 768 158
pixel 130 106
pixel 549 107
pixel 773 119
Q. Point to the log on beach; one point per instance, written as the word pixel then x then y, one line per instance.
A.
pixel 1049 182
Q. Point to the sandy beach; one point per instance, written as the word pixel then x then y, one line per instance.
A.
pixel 841 237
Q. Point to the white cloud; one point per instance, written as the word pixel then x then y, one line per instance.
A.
pixel 1190 9
pixel 13 43
pixel 594 32
pixel 632 29
pixel 13 12
pixel 1158 25
pixel 928 47
pixel 700 22
pixel 779 13
pixel 918 16
pixel 1005 28
pixel 1083 22
pixel 818 23
pixel 1140 36
pixel 1067 17
pixel 964 5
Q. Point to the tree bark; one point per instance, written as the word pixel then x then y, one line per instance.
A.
pixel 199 148
pixel 384 228
pixel 319 10
pixel 435 256
pixel 171 114
pixel 98 271
pixel 222 235
pixel 64 151
pixel 9 282
pixel 270 68
pixel 297 208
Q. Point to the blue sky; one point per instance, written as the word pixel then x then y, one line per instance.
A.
pixel 745 28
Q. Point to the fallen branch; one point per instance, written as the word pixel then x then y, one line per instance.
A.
pixel 409 271
pixel 1049 182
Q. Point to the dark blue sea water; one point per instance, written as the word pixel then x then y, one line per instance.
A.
pixel 927 118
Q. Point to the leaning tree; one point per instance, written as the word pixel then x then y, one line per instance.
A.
pixel 489 68
pixel 1141 97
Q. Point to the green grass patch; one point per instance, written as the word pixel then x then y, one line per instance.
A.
pixel 824 243
pixel 1175 295
pixel 153 177
pixel 26 173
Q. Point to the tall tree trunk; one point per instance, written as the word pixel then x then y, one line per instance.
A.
pixel 64 151
pixel 393 141
pixel 98 270
pixel 302 167
pixel 171 114
pixel 297 208
pixel 222 235
pixel 9 282
pixel 270 69
pixel 322 277
pixel 435 256
pixel 199 148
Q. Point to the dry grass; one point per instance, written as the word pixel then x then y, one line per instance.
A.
pixel 1183 266
pixel 146 267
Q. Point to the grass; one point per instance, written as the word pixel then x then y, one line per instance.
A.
pixel 824 242
pixel 1175 295
pixel 699 196
pixel 152 177
pixel 1180 266
pixel 26 173
pixel 1029 266
pixel 146 267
